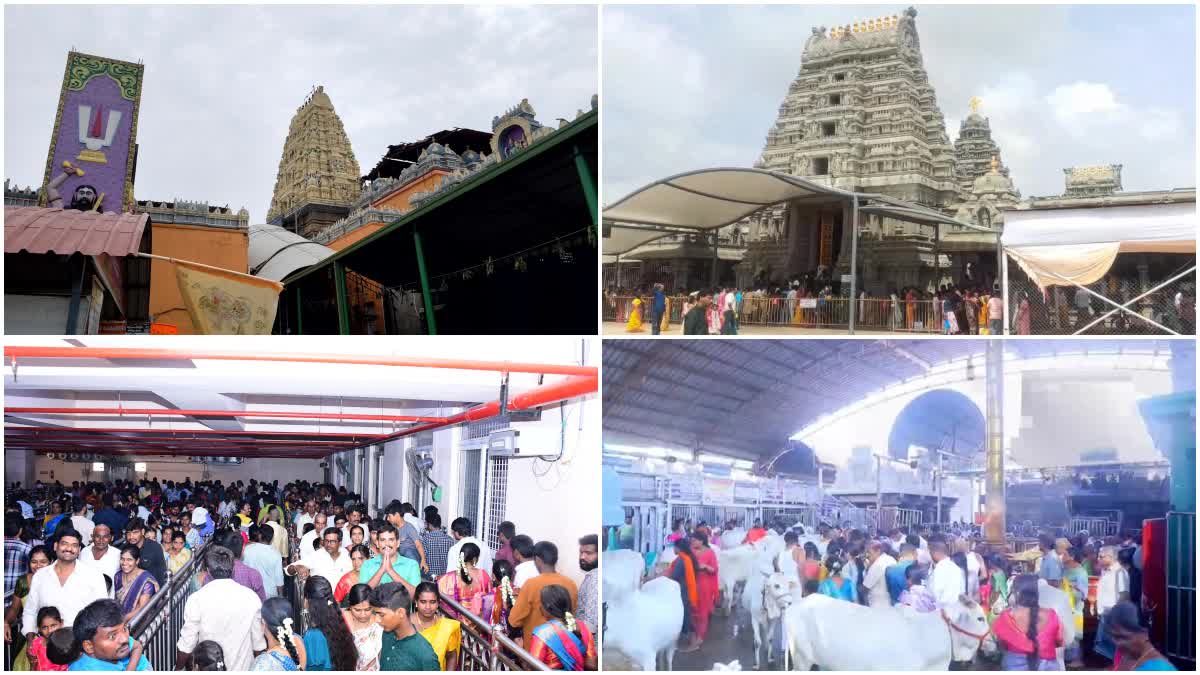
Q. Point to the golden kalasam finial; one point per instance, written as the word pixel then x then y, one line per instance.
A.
pixel 974 103
pixel 995 165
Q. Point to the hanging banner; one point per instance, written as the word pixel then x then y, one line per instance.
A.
pixel 686 488
pixel 746 493
pixel 718 492
pixel 227 303
pixel 92 155
pixel 772 491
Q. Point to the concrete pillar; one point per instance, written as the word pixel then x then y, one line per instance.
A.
pixel 993 524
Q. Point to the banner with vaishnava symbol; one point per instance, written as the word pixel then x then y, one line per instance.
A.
pixel 223 302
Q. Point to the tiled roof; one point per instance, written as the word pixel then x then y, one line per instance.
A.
pixel 65 231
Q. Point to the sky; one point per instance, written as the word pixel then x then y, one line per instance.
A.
pixel 222 83
pixel 1063 85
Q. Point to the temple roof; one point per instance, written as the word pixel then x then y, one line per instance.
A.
pixel 399 157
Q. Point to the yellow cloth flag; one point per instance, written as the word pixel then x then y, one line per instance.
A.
pixel 227 303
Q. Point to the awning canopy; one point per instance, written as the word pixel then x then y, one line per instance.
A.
pixel 65 231
pixel 275 252
pixel 709 199
pixel 1080 245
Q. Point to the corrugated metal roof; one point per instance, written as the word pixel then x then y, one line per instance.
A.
pixel 65 231
pixel 275 252
pixel 748 397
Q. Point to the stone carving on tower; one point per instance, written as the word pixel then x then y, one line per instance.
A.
pixel 1092 181
pixel 318 166
pixel 974 148
pixel 860 115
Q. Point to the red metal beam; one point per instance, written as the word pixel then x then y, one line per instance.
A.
pixel 198 453
pixel 164 412
pixel 345 359
pixel 182 442
pixel 203 432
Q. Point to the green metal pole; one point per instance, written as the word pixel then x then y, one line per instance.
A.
pixel 299 313
pixel 339 280
pixel 589 185
pixel 430 320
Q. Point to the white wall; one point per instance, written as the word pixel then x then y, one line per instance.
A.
pixel 18 466
pixel 165 469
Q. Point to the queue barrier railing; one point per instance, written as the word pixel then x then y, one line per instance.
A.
pixel 918 316
pixel 485 646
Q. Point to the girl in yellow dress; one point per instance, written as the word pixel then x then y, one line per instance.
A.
pixel 444 635
pixel 635 318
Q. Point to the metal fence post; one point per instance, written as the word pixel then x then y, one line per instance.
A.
pixel 299 313
pixel 339 281
pixel 430 320
pixel 853 259
pixel 587 183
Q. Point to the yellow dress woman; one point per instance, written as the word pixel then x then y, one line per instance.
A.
pixel 666 317
pixel 634 325
pixel 443 634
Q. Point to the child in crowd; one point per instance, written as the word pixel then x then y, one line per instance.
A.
pixel 48 621
pixel 207 656
pixel 61 650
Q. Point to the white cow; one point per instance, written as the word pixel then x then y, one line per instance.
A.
pixel 733 569
pixel 766 598
pixel 731 538
pixel 663 560
pixel 646 623
pixel 621 573
pixel 896 638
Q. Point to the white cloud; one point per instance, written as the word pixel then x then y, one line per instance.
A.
pixel 1085 102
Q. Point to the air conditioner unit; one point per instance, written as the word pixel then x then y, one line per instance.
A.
pixel 525 440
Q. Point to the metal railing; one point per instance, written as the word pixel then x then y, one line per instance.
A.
pixel 1099 526
pixel 485 646
pixel 158 624
pixel 918 316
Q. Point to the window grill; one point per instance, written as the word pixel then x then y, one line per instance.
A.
pixel 472 483
pixel 497 494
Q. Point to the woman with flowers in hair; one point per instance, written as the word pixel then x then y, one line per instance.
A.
pixel 285 649
pixel 327 642
pixel 498 604
pixel 562 643
pixel 467 585
pixel 443 634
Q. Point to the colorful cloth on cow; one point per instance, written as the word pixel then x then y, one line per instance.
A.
pixel 754 535
pixel 708 590
pixel 1011 636
pixel 560 649
pixel 683 572
pixel 896 581
pixel 837 587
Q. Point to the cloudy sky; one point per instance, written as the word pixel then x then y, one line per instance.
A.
pixel 1063 85
pixel 222 82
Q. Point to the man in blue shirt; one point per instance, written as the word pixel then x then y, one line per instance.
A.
pixel 114 519
pixel 657 309
pixel 104 639
pixel 895 575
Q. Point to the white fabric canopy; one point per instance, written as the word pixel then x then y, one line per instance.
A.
pixel 1081 244
pixel 275 252
pixel 620 239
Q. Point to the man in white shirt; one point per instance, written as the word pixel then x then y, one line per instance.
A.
pixel 320 524
pixel 330 561
pixel 355 517
pixel 260 556
pixel 947 581
pixel 80 521
pixel 100 555
pixel 461 531
pixel 526 569
pixel 308 515
pixel 410 517
pixel 225 612
pixel 64 584
pixel 1113 588
pixel 875 579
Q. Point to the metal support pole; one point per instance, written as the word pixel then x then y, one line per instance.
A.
pixel 853 261
pixel 617 286
pixel 941 456
pixel 78 267
pixel 1004 280
pixel 426 294
pixel 937 256
pixel 993 524
pixel 716 244
pixel 878 485
pixel 587 183
pixel 299 313
pixel 343 309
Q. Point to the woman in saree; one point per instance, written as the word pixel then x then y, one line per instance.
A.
pixel 634 325
pixel 467 584
pixel 39 557
pixel 499 603
pixel 910 299
pixel 443 633
pixel 666 317
pixel 133 587
pixel 562 643
pixel 708 588
pixel 1024 315
pixel 684 570
pixel 358 555
pixel 360 619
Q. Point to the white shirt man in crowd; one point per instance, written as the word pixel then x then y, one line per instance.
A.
pixel 526 569
pixel 101 555
pixel 875 579
pixel 79 520
pixel 1113 588
pixel 330 561
pixel 64 584
pixel 462 532
pixel 354 517
pixel 320 524
pixel 265 559
pixel 225 612
pixel 308 515
pixel 947 581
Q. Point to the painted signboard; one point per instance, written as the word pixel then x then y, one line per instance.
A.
pixel 718 491
pixel 92 153
pixel 686 488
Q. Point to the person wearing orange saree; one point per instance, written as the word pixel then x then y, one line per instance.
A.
pixel 683 570
pixel 708 587
pixel 910 309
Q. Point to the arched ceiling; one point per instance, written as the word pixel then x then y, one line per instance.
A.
pixel 746 397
